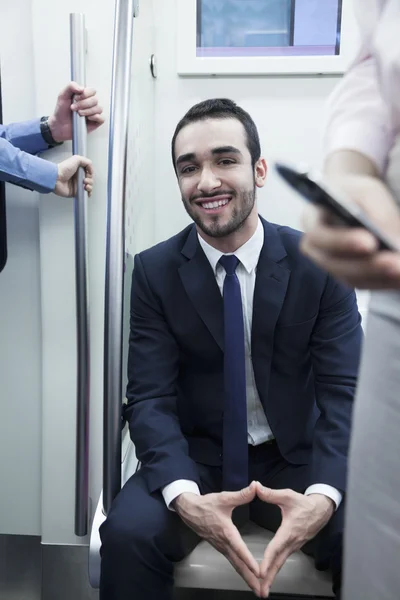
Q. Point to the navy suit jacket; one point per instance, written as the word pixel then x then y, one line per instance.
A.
pixel 306 338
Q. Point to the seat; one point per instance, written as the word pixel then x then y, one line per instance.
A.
pixel 205 568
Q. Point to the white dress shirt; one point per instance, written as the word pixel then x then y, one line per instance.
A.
pixel 257 424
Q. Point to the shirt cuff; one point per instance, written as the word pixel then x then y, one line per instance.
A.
pixel 42 175
pixel 178 487
pixel 325 490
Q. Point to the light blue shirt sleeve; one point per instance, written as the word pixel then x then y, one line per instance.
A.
pixel 19 166
pixel 25 135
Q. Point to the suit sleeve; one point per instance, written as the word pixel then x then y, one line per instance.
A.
pixel 335 350
pixel 153 367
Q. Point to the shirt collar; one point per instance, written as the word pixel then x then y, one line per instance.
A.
pixel 248 254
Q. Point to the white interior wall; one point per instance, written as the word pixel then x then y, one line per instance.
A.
pixel 57 247
pixel 140 189
pixel 288 111
pixel 39 279
pixel 52 67
pixel 20 317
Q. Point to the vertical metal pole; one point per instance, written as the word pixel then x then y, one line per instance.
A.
pixel 79 146
pixel 113 323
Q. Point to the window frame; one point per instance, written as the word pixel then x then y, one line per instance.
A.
pixel 189 64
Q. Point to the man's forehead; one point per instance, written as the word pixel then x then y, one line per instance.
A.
pixel 203 136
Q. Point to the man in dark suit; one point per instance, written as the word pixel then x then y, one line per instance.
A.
pixel 242 370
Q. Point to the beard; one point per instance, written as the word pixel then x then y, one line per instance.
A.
pixel 244 200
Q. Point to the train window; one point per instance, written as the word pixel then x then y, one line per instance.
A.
pixel 268 27
pixel 265 37
pixel 3 223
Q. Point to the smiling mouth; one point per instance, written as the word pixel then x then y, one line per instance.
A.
pixel 214 205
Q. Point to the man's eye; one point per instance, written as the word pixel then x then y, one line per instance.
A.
pixel 187 170
pixel 227 161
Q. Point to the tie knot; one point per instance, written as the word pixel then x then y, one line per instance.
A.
pixel 229 263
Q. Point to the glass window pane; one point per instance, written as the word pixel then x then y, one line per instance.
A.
pixel 268 27
pixel 237 25
pixel 318 24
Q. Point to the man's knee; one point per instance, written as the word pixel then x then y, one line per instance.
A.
pixel 138 524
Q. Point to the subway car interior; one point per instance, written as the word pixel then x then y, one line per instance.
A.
pixel 66 263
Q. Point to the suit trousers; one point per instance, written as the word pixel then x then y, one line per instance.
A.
pixel 142 538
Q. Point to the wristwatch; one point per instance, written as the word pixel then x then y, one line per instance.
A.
pixel 46 133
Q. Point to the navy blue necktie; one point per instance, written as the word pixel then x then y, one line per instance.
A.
pixel 235 445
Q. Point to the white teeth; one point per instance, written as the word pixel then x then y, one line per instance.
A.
pixel 215 204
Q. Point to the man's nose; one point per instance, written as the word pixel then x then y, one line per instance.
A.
pixel 208 181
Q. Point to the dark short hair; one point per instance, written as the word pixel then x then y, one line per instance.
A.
pixel 221 108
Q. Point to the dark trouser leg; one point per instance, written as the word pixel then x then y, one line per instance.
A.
pixel 268 467
pixel 141 541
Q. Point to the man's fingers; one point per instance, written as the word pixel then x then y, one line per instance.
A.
pixel 276 554
pixel 84 104
pixel 87 164
pixel 88 183
pixel 276 548
pixel 71 165
pixel 244 496
pixel 96 119
pixel 237 546
pixel 85 93
pixel 271 568
pixel 90 112
pixel 252 581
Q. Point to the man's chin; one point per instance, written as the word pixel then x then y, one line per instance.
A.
pixel 215 230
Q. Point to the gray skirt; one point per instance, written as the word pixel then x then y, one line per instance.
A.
pixel 372 534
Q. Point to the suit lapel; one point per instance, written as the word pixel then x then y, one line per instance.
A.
pixel 201 287
pixel 270 290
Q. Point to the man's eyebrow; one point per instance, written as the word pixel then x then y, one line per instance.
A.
pixel 226 150
pixel 190 156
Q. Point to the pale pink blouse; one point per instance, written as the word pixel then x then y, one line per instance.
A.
pixel 364 110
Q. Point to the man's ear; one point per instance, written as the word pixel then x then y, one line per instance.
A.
pixel 260 172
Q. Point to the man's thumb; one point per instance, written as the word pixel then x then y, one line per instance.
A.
pixel 243 496
pixel 69 91
pixel 277 497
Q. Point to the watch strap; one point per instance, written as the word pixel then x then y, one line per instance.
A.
pixel 46 133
